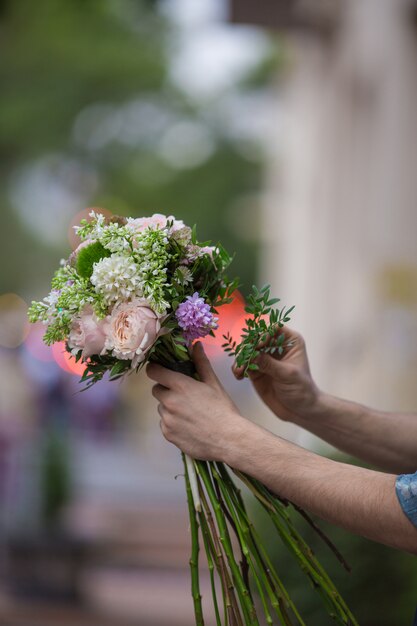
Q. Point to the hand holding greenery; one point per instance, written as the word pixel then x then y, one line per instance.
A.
pixel 258 335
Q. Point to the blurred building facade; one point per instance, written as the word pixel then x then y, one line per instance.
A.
pixel 342 192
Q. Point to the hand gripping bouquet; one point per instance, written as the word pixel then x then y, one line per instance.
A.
pixel 139 290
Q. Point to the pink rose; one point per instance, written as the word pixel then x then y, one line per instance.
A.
pixel 178 225
pixel 157 220
pixel 87 333
pixel 141 223
pixel 132 329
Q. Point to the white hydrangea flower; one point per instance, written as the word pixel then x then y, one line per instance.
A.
pixel 117 279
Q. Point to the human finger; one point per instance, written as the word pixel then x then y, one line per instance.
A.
pixel 159 392
pixel 203 365
pixel 165 376
pixel 271 366
pixel 163 428
pixel 238 372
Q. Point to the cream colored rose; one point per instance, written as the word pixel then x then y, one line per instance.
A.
pixel 132 329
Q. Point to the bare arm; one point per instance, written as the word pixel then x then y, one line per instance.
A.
pixel 201 419
pixel 359 500
pixel 388 440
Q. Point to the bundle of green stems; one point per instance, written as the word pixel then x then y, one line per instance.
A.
pixel 252 592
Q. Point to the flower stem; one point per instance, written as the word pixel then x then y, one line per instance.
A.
pixel 192 477
pixel 323 537
pixel 296 544
pixel 279 598
pixel 244 565
pixel 210 554
pixel 261 553
pixel 232 613
pixel 243 592
pixel 195 581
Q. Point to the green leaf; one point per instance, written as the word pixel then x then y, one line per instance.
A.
pixel 118 368
pixel 88 256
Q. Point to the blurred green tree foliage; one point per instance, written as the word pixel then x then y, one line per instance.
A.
pixel 87 82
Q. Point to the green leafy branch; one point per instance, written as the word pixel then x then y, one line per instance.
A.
pixel 261 333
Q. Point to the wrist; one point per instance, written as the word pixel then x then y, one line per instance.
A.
pixel 317 406
pixel 246 441
pixel 312 407
pixel 322 410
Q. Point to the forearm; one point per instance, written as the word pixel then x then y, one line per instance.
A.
pixel 360 500
pixel 388 440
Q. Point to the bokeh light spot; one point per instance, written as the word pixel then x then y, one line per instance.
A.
pixel 34 343
pixel 231 319
pixel 66 361
pixel 14 325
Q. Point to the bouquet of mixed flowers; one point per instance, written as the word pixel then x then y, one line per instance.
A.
pixel 139 290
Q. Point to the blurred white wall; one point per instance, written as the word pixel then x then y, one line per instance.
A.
pixel 342 199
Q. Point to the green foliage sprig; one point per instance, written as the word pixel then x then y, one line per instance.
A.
pixel 261 333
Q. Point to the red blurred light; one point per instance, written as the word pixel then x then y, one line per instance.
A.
pixel 66 361
pixel 231 320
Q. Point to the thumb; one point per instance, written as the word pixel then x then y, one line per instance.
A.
pixel 203 365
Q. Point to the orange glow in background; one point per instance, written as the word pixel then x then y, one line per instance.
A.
pixel 231 320
pixel 73 238
pixel 66 361
pixel 57 352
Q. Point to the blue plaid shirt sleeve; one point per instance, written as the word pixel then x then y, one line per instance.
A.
pixel 406 490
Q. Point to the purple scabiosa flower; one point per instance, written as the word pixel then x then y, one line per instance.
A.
pixel 195 318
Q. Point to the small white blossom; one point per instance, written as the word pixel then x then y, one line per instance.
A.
pixel 98 217
pixel 117 279
pixel 184 275
pixel 99 224
pixel 50 303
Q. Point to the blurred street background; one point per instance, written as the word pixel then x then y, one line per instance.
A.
pixel 288 131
